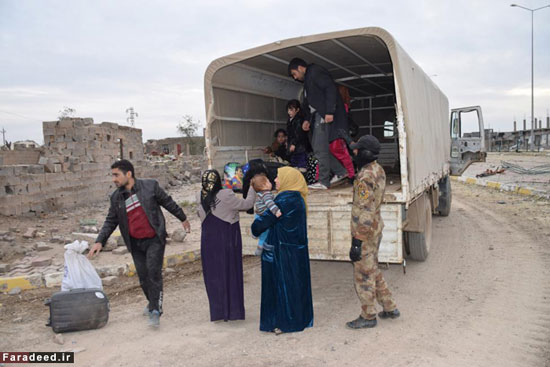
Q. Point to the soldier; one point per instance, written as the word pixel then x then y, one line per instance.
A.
pixel 366 232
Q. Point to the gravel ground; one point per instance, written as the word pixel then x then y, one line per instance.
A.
pixel 482 298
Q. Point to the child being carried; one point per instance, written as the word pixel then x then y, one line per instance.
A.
pixel 264 201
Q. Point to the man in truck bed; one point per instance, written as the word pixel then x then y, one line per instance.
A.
pixel 325 114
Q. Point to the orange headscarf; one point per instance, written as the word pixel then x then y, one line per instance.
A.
pixel 290 179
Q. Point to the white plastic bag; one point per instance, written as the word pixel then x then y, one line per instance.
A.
pixel 79 272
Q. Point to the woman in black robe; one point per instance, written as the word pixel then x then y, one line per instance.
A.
pixel 221 246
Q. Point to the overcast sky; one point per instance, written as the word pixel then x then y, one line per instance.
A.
pixel 101 57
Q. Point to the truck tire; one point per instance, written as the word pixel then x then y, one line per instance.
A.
pixel 445 197
pixel 419 243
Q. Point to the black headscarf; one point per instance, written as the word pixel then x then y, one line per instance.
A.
pixel 211 184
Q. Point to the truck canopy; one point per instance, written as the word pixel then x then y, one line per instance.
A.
pixel 246 95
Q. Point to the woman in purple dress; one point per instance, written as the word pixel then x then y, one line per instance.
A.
pixel 221 246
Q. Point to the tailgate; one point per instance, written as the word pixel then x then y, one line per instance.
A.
pixel 329 233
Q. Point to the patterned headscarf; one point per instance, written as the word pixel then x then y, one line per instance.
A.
pixel 290 179
pixel 211 184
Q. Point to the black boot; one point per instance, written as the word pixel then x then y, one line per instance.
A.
pixel 360 323
pixel 389 314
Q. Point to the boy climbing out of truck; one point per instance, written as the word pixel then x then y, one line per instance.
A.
pixel 264 201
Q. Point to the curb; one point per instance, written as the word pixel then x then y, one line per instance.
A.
pixel 515 189
pixel 50 280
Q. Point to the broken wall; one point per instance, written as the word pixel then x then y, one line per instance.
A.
pixel 79 140
pixel 74 168
pixel 19 156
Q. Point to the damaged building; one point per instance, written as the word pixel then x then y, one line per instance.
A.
pixel 73 166
pixel 176 146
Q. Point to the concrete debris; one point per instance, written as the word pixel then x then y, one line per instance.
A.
pixel 89 229
pixel 42 246
pixel 41 261
pixel 120 251
pixel 57 239
pixel 120 241
pixel 58 339
pixel 490 172
pixel 14 291
pixel 178 235
pixel 30 233
pixel 110 280
pixel 88 222
pixel 6 236
pixel 4 268
pixel 111 245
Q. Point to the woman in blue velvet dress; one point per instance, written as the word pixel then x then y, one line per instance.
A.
pixel 287 305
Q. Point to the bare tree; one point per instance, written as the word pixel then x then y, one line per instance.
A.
pixel 188 127
pixel 67 112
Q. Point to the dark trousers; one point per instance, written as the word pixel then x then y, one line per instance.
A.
pixel 148 255
pixel 327 162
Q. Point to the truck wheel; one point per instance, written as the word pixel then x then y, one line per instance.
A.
pixel 419 243
pixel 445 197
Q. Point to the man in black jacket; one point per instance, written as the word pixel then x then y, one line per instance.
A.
pixel 324 113
pixel 135 208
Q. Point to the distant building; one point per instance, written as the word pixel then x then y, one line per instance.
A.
pixel 25 144
pixel 516 140
pixel 176 146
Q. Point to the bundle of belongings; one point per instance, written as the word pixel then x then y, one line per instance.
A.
pixel 81 304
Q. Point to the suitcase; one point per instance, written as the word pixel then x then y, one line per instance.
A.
pixel 78 309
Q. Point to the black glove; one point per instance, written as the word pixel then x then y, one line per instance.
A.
pixel 355 250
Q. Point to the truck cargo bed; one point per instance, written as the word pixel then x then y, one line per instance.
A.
pixel 329 215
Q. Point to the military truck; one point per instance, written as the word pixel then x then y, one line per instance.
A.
pixel 391 98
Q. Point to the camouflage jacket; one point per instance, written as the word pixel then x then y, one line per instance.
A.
pixel 368 194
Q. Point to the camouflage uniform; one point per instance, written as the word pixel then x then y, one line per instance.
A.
pixel 367 225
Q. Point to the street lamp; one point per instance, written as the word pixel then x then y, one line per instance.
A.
pixel 532 73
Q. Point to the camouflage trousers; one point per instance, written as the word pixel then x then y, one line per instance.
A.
pixel 369 282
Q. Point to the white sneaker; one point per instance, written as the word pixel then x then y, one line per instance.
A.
pixel 336 179
pixel 318 186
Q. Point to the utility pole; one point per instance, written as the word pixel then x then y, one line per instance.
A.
pixel 3 131
pixel 132 115
pixel 532 70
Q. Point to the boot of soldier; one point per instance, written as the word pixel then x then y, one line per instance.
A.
pixel 389 314
pixel 360 323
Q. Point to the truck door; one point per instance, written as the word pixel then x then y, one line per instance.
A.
pixel 467 138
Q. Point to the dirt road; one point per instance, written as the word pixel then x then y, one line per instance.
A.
pixel 481 299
